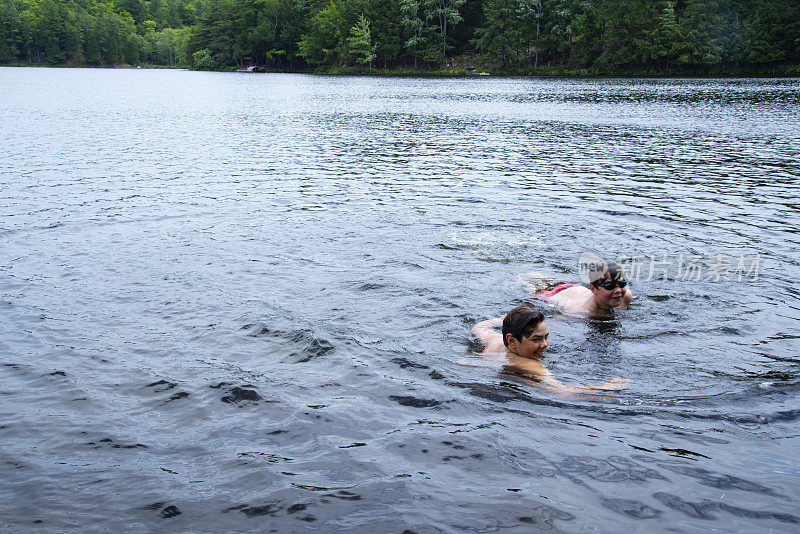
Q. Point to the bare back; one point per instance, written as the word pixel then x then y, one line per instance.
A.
pixel 575 299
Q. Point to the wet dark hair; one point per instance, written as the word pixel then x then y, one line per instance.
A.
pixel 520 322
pixel 613 270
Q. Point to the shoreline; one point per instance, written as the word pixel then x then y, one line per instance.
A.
pixel 787 71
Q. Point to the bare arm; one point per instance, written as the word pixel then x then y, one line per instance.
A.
pixel 627 297
pixel 575 391
pixel 614 384
pixel 485 330
pixel 533 372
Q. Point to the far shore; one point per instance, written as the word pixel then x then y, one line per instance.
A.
pixel 781 71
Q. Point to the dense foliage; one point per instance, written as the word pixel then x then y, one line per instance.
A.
pixel 604 35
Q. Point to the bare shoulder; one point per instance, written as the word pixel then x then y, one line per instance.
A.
pixel 627 297
pixel 495 344
pixel 486 332
pixel 527 367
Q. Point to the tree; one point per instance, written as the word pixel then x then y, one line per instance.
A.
pixel 25 26
pixel 8 16
pixel 386 25
pixel 443 14
pixel 700 28
pixel 322 44
pixel 666 38
pixel 772 32
pixel 532 10
pixel 289 31
pixel 136 8
pixel 614 34
pixel 359 45
pixel 507 34
pixel 132 49
pixel 164 49
pixel 416 29
pixel 202 60
pixel 47 29
pixel 565 23
pixel 215 31
pixel 91 42
pixel 732 29
pixel 625 35
pixel 110 32
pixel 462 34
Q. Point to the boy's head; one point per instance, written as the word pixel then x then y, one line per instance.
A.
pixel 608 290
pixel 521 322
pixel 612 273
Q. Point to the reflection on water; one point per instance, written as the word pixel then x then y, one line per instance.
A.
pixel 240 302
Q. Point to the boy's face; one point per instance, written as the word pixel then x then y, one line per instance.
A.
pixel 533 345
pixel 607 298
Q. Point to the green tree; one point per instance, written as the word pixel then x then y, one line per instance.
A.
pixel 700 29
pixel 507 33
pixel 132 48
pixel 159 12
pixel 772 32
pixel 531 10
pixel 25 35
pixel 136 8
pixel 443 14
pixel 164 47
pixel 386 25
pixel 203 60
pixel 625 33
pixel 71 40
pixel 461 36
pixel 565 24
pixel 288 33
pixel 47 29
pixel 667 43
pixel 732 32
pixel 91 41
pixel 359 45
pixel 8 16
pixel 110 32
pixel 322 43
pixel 215 31
pixel 416 29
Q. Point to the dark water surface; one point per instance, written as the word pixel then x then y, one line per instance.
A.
pixel 238 302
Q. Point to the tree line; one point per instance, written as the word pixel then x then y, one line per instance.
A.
pixel 513 35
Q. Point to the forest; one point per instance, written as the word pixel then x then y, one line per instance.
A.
pixel 438 36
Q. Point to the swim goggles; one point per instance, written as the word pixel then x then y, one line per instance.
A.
pixel 609 286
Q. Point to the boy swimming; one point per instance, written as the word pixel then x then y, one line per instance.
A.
pixel 524 339
pixel 607 291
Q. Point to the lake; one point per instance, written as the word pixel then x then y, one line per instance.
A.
pixel 240 302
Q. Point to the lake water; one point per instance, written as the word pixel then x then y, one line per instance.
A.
pixel 237 302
